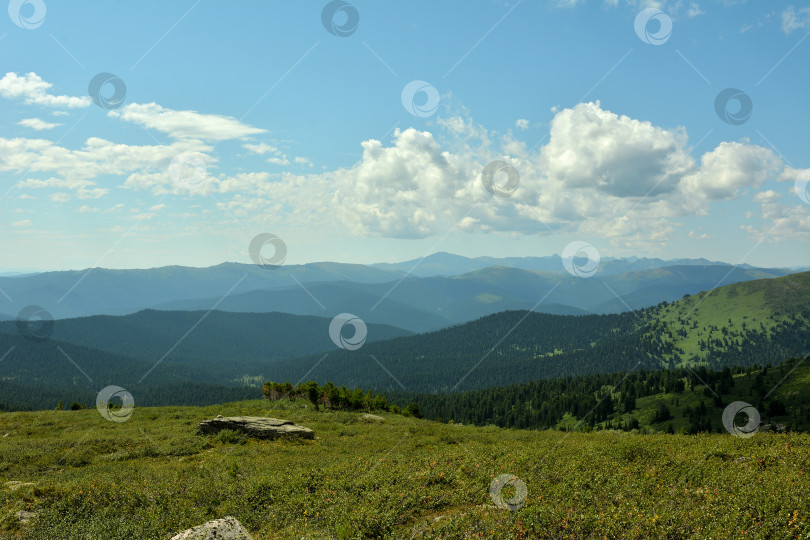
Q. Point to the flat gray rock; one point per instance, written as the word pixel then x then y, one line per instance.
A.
pixel 227 528
pixel 14 485
pixel 260 427
pixel 25 516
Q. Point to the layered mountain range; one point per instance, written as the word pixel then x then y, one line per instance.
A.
pixel 431 333
pixel 419 295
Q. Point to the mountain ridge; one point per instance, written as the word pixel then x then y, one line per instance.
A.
pixel 736 325
pixel 428 303
pixel 432 304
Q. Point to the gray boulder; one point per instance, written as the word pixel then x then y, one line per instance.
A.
pixel 24 516
pixel 227 528
pixel 260 427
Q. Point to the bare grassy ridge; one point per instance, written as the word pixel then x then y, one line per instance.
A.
pixel 151 476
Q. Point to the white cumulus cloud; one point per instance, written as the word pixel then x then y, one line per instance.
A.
pixel 593 148
pixel 732 167
pixel 37 124
pixel 34 91
pixel 184 124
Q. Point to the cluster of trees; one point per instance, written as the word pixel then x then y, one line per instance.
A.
pixel 610 400
pixel 334 397
pixel 771 347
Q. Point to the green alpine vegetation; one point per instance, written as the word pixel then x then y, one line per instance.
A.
pixel 76 475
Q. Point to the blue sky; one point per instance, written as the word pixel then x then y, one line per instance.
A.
pixel 242 118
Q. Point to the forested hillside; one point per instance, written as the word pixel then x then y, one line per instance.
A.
pixel 40 375
pixel 227 356
pixel 497 349
pixel 516 346
pixel 219 340
pixel 678 400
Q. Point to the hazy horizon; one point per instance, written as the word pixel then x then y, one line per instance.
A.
pixel 14 272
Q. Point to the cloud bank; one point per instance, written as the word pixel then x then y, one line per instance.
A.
pixel 599 173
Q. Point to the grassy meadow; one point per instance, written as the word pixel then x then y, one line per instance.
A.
pixel 83 477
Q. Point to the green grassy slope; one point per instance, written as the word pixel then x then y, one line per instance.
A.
pixel 719 320
pixel 150 477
